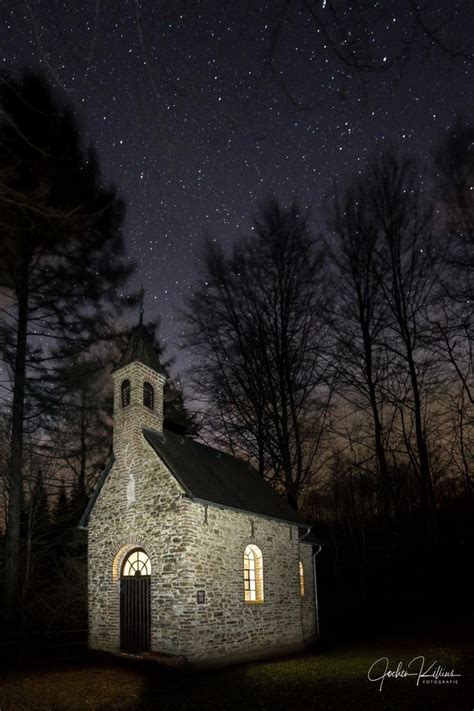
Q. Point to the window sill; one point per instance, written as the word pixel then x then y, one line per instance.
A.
pixel 254 602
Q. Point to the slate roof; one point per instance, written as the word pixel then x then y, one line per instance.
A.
pixel 211 476
pixel 141 348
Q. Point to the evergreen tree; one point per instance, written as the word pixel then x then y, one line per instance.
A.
pixel 36 538
pixel 177 417
pixel 61 260
pixel 61 509
pixel 83 424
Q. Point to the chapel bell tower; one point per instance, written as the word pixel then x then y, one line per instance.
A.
pixel 139 381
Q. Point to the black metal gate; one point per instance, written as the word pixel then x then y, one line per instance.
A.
pixel 135 613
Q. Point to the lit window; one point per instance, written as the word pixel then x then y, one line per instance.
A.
pixel 253 574
pixel 301 579
pixel 136 563
pixel 125 393
pixel 148 396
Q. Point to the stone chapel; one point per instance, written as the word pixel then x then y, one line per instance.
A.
pixel 190 551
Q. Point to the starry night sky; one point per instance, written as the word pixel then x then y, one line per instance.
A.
pixel 194 128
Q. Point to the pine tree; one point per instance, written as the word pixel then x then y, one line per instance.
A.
pixel 177 416
pixel 36 537
pixel 82 424
pixel 61 260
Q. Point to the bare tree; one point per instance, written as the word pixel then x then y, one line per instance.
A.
pixel 359 321
pixel 452 322
pixel 453 325
pixel 256 326
pixel 390 263
pixel 359 38
pixel 408 264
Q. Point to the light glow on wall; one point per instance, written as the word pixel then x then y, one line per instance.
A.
pixel 301 569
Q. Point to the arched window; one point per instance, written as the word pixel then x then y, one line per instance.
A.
pixel 301 569
pixel 253 574
pixel 148 396
pixel 125 393
pixel 136 563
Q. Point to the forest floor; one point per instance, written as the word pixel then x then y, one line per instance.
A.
pixel 328 680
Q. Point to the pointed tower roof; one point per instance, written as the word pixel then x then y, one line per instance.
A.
pixel 141 348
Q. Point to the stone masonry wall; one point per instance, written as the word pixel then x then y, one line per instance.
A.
pixel 226 626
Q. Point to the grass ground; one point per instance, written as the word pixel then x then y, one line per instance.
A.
pixel 324 681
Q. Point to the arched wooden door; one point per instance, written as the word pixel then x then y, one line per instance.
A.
pixel 135 583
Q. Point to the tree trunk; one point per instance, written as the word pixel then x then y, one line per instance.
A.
pixel 378 431
pixel 12 542
pixel 426 484
pixel 81 484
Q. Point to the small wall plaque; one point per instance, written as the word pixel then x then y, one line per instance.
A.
pixel 201 597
